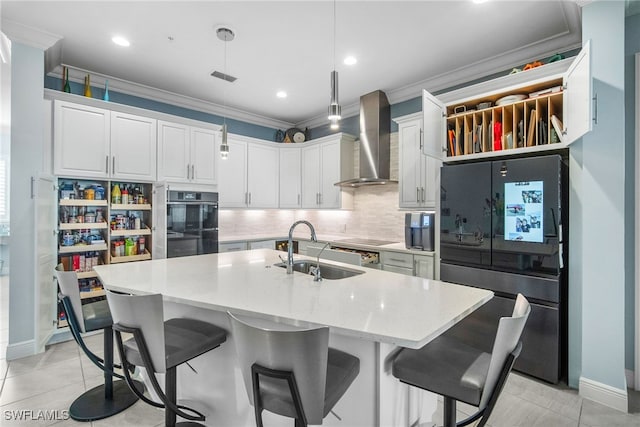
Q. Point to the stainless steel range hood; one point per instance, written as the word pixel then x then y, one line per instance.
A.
pixel 375 128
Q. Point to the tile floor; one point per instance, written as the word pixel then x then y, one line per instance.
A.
pixel 51 381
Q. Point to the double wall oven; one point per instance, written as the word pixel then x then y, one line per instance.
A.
pixel 192 223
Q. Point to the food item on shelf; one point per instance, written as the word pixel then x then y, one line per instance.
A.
pixel 116 195
pixel 125 195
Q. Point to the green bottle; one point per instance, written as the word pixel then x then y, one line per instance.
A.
pixel 65 78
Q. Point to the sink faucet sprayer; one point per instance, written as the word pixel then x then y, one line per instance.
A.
pixel 290 246
pixel 317 277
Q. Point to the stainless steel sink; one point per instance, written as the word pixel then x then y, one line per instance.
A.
pixel 327 271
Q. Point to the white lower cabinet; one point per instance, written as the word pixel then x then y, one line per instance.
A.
pixel 423 266
pixel 397 262
pixel 232 247
pixel 409 264
pixel 262 244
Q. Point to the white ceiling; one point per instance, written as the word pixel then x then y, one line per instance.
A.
pixel 401 47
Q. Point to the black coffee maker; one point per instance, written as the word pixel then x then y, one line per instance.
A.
pixel 418 231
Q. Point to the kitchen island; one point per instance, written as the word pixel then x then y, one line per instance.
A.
pixel 369 315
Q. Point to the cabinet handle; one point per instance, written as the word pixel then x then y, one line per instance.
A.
pixel 246 198
pixel 187 170
pixel 193 171
pixel 320 196
pixel 298 199
pixel 106 163
pixel 423 195
pixel 421 140
pixel 418 194
pixel 113 166
pixel 249 197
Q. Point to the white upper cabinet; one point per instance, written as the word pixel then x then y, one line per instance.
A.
pixel 96 143
pixel 578 96
pixel 174 158
pixel 249 176
pixel 186 154
pixel 419 173
pixel 263 176
pixel 81 140
pixel 290 177
pixel 204 156
pixel 133 147
pixel 545 108
pixel 325 162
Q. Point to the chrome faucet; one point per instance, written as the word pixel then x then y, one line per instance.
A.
pixel 317 276
pixel 290 246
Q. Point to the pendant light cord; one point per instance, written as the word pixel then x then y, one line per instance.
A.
pixel 334 34
pixel 224 91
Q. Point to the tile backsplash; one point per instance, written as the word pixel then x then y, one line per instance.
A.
pixel 375 213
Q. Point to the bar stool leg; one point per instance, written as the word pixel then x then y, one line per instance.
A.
pixel 449 412
pixel 106 399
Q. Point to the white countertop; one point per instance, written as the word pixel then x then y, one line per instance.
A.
pixel 378 305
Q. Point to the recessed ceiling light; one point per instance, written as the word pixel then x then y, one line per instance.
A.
pixel 350 60
pixel 120 41
pixel 281 94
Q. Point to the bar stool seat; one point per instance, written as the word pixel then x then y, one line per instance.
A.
pixel 184 339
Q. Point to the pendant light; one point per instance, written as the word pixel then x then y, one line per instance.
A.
pixel 226 35
pixel 335 110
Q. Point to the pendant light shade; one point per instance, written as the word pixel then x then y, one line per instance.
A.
pixel 335 110
pixel 226 35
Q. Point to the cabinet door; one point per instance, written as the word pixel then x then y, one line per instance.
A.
pixel 434 126
pixel 262 180
pixel 173 152
pixel 310 176
pixel 411 160
pixel 233 176
pixel 329 175
pixel 431 181
pixel 81 141
pixel 203 156
pixel 423 266
pixel 133 147
pixel 577 105
pixel 159 222
pixel 290 179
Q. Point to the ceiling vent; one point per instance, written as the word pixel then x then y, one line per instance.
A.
pixel 224 76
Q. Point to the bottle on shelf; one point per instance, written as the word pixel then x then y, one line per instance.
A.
pixel 87 86
pixel 106 91
pixel 125 195
pixel 65 76
pixel 116 195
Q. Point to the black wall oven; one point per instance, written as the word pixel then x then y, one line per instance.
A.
pixel 192 223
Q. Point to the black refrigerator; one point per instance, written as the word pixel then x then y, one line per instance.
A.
pixel 504 227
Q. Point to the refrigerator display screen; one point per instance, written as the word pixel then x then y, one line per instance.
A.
pixel 523 210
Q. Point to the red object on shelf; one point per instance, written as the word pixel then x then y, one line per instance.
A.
pixel 497 136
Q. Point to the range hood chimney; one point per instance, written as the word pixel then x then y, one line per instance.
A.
pixel 375 127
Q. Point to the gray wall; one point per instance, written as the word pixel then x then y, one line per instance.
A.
pixel 597 234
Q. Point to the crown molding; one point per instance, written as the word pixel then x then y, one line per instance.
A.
pixel 30 36
pixel 154 94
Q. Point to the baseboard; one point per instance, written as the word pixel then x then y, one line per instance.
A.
pixel 21 349
pixel 604 394
pixel 630 378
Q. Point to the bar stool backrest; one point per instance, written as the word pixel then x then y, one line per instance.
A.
pixel 507 338
pixel 68 283
pixel 301 351
pixel 143 312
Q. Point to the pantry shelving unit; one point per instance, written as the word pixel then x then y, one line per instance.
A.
pixel 76 247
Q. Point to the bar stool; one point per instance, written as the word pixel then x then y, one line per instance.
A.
pixel 160 346
pixel 111 397
pixel 457 371
pixel 293 373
